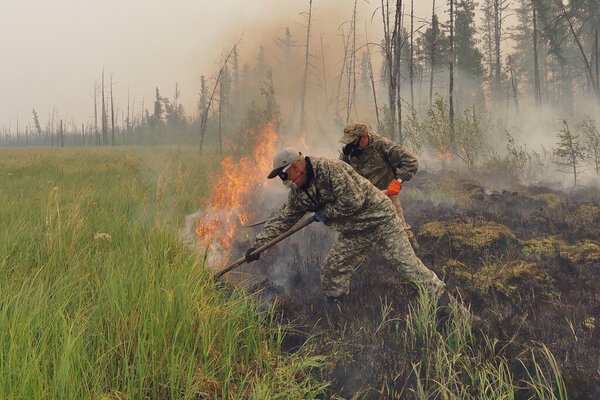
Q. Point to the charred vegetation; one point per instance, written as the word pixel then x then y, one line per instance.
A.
pixel 524 258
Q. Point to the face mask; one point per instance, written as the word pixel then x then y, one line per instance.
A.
pixel 347 148
pixel 352 149
pixel 357 151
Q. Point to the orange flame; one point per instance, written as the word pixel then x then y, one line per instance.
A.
pixel 232 194
pixel 444 152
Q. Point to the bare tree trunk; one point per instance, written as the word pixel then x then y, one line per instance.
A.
pixel 513 83
pixel 221 118
pixel 597 51
pixel 497 31
pixel 397 51
pixel 96 114
pixel 451 85
pixel 306 64
pixel 324 74
pixel 112 112
pixel 204 116
pixel 62 142
pixel 536 68
pixel 412 54
pixel 432 50
pixel 104 122
pixel 371 77
pixel 588 68
pixel 350 100
pixel 341 75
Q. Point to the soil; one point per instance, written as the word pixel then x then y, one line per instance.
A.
pixel 525 258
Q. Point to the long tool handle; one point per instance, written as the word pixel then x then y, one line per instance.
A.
pixel 265 246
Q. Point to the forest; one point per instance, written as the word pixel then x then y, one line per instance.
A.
pixel 485 82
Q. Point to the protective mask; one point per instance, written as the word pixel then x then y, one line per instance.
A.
pixel 357 151
pixel 347 148
pixel 352 150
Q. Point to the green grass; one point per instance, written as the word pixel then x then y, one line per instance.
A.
pixel 452 364
pixel 101 301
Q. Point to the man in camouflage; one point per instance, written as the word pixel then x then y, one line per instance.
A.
pixel 383 162
pixel 348 203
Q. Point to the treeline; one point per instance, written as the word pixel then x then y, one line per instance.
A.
pixel 497 56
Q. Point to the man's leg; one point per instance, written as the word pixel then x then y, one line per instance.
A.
pixel 343 259
pixel 395 247
pixel 403 224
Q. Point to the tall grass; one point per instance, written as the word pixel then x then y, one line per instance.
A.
pixel 451 364
pixel 101 301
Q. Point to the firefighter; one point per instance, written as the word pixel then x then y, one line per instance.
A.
pixel 383 162
pixel 364 217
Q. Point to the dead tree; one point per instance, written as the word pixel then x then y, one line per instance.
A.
pixel 306 64
pixel 513 83
pixel 372 80
pixel 434 26
pixel 392 50
pixel 96 134
pixel 204 116
pixel 536 69
pixel 112 112
pixel 351 90
pixel 411 67
pixel 586 62
pixel 104 121
pixel 451 85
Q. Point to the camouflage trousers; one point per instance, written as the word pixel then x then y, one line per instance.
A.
pixel 349 251
pixel 402 222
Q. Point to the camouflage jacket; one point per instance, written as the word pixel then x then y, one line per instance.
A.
pixel 351 203
pixel 382 161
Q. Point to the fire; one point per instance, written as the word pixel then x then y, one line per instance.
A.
pixel 232 193
pixel 444 152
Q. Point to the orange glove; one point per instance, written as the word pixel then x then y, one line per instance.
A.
pixel 394 188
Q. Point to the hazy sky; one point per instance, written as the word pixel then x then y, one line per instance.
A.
pixel 52 51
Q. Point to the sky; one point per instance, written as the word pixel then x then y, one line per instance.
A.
pixel 53 52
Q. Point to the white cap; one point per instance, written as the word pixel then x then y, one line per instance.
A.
pixel 283 158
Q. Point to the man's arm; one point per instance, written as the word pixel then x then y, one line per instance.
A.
pixel 405 164
pixel 280 221
pixel 348 197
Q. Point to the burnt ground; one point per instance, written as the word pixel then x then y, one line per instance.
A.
pixel 527 260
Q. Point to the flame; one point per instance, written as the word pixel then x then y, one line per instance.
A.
pixel 444 152
pixel 233 192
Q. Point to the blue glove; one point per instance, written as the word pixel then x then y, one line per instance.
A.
pixel 320 216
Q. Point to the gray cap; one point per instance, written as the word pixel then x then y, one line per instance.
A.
pixel 283 158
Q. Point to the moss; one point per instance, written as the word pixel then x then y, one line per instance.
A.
pixel 552 200
pixel 543 246
pixel 474 235
pixel 500 275
pixel 582 251
pixel 584 215
pixel 585 251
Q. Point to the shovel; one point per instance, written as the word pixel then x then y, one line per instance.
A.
pixel 265 246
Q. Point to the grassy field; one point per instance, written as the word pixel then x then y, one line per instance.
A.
pixel 101 301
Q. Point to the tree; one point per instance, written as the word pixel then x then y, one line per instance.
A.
pixel 591 143
pixel 36 124
pixel 468 58
pixel 432 50
pixel 568 155
pixel 306 64
pixel 392 50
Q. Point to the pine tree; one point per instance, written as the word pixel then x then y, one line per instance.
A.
pixel 568 155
